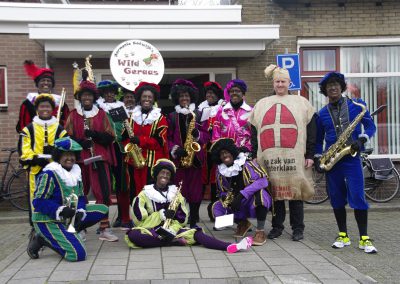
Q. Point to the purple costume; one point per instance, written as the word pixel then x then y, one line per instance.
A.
pixel 191 177
pixel 255 192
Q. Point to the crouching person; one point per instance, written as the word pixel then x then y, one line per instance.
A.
pixel 57 199
pixel 242 187
pixel 152 210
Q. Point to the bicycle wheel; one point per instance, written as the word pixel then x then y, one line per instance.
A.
pixel 380 190
pixel 18 190
pixel 321 194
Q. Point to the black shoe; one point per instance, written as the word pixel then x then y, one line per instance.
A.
pixel 34 247
pixel 274 233
pixel 117 223
pixel 297 235
pixel 210 213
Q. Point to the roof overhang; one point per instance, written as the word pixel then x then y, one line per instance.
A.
pixel 70 41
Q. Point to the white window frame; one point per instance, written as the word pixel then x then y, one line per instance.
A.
pixel 355 42
pixel 5 105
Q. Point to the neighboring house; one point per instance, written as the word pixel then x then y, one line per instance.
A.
pixel 235 39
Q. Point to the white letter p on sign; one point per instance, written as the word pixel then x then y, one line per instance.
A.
pixel 287 62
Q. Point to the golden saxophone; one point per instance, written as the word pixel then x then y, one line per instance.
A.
pixel 71 201
pixel 133 151
pixel 338 150
pixel 190 146
pixel 61 104
pixel 173 206
pixel 228 198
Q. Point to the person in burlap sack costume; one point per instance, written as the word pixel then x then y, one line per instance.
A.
pixel 286 131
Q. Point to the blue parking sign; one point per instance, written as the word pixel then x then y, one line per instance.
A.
pixel 292 63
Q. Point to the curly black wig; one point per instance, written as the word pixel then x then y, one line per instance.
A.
pixel 223 144
pixel 57 153
pixel 332 77
pixel 153 90
pixel 44 98
pixel 180 88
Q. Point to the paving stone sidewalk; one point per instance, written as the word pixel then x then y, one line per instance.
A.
pixel 280 261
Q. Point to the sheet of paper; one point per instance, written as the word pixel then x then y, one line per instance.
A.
pixel 46 156
pixel 224 221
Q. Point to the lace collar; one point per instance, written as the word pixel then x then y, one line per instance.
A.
pixel 209 111
pixel 184 110
pixel 145 119
pixel 108 106
pixel 156 196
pixel 32 96
pixel 234 169
pixel 88 113
pixel 70 178
pixel 244 106
pixel 42 122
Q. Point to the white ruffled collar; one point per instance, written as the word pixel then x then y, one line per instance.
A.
pixel 235 168
pixel 149 118
pixel 209 111
pixel 42 122
pixel 244 106
pixel 88 113
pixel 32 96
pixel 156 196
pixel 184 110
pixel 108 106
pixel 70 178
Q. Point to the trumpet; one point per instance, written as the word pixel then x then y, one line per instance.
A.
pixel 72 202
pixel 61 105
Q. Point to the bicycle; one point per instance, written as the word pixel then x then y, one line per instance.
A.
pixel 381 178
pixel 15 188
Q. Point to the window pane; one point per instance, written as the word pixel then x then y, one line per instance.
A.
pixel 2 85
pixel 370 59
pixel 376 92
pixel 223 79
pixel 319 60
pixel 316 99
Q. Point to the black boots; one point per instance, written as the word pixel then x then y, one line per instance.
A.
pixel 34 246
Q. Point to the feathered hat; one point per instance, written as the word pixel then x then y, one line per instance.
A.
pixel 37 73
pixel 215 87
pixel 83 80
pixel 234 83
pixel 105 85
pixel 181 86
pixel 146 86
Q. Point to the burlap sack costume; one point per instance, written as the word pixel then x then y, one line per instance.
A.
pixel 281 123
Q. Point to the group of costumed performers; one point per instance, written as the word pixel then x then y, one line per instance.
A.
pixel 186 137
pixel 148 134
pixel 345 181
pixel 153 214
pixel 209 108
pixel 286 133
pixel 91 128
pixel 59 197
pixel 37 140
pixel 44 81
pixel 242 186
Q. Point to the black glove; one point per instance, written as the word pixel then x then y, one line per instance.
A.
pixel 135 140
pixel 180 153
pixel 169 214
pixel 237 201
pixel 67 212
pixel 39 162
pixel 90 133
pixel 86 144
pixel 78 221
pixel 195 133
pixel 317 164
pixel 358 144
pixel 48 150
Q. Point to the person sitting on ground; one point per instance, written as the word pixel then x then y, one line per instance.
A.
pixel 242 187
pixel 151 210
pixel 59 181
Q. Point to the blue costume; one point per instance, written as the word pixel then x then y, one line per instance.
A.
pixel 345 180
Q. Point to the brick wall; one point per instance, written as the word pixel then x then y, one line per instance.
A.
pixel 14 50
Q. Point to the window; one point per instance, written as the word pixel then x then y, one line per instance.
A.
pixel 372 73
pixel 3 86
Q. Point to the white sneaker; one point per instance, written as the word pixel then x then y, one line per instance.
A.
pixel 82 234
pixel 367 245
pixel 108 235
pixel 341 241
pixel 244 244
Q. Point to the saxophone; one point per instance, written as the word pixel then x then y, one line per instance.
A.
pixel 86 127
pixel 228 198
pixel 133 151
pixel 338 150
pixel 190 146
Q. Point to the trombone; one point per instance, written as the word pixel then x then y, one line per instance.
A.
pixel 61 105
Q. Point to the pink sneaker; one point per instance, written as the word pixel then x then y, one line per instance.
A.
pixel 244 244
